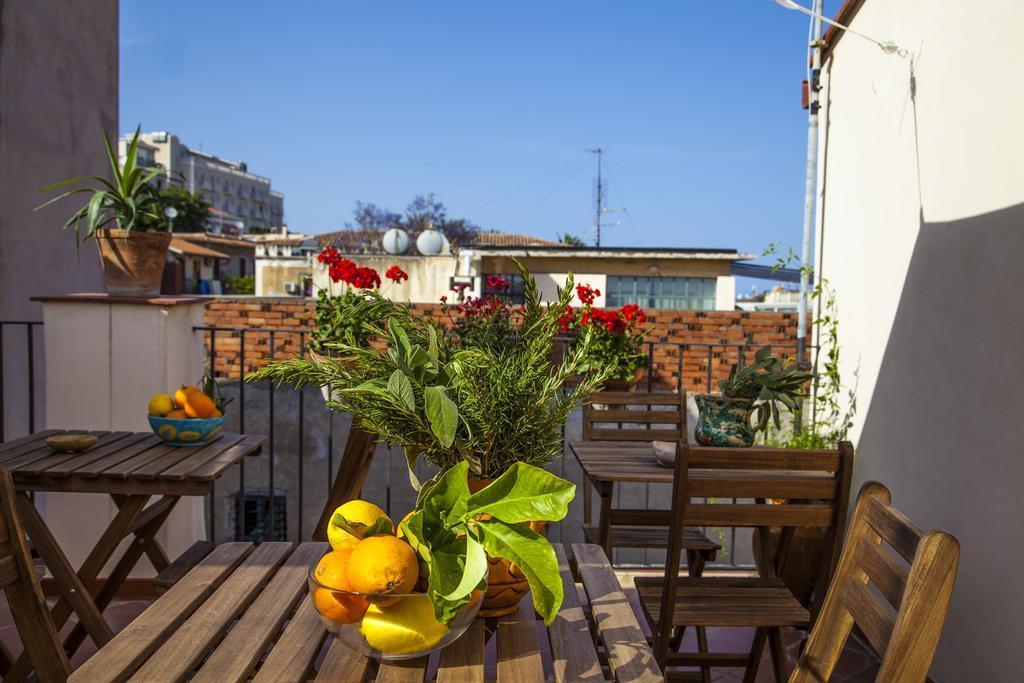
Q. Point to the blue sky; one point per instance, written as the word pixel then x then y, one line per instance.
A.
pixel 491 106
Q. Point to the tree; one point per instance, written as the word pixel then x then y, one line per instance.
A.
pixel 193 210
pixel 571 240
pixel 371 217
pixel 420 213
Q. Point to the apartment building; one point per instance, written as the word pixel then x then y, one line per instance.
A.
pixel 240 197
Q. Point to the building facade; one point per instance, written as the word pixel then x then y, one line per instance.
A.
pixel 239 197
pixel 920 232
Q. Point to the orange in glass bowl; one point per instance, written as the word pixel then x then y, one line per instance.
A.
pixel 404 629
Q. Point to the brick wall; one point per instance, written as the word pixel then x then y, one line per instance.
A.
pixel 702 344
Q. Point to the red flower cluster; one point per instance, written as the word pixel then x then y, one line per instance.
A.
pixel 620 321
pixel 497 283
pixel 587 294
pixel 567 319
pixel 631 312
pixel 343 270
pixel 460 287
pixel 397 274
pixel 610 320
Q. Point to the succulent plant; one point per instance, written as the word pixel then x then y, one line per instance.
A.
pixel 769 381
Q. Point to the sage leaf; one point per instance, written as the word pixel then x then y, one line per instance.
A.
pixel 534 556
pixel 442 413
pixel 401 387
pixel 448 497
pixel 524 493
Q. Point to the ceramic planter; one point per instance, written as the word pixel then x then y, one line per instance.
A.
pixel 723 421
pixel 506 584
pixel 132 262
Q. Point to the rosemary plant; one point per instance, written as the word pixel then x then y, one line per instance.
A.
pixel 447 402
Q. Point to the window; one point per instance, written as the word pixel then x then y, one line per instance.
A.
pixel 666 293
pixel 254 524
pixel 513 295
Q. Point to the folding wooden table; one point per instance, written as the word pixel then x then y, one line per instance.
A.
pixel 243 614
pixel 132 468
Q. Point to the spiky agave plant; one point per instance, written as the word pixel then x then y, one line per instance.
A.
pixel 447 402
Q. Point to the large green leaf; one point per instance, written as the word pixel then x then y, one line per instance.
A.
pixel 401 387
pixel 448 496
pixel 457 567
pixel 442 413
pixel 524 493
pixel 532 553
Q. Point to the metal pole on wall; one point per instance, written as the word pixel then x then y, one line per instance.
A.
pixel 810 188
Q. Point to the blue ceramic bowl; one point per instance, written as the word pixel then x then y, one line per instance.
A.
pixel 186 432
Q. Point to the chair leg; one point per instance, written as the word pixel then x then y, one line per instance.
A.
pixel 695 564
pixel 760 635
pixel 778 654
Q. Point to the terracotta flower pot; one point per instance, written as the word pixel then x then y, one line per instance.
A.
pixel 624 384
pixel 133 263
pixel 723 421
pixel 506 585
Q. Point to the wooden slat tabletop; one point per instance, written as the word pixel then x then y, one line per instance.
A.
pixel 124 462
pixel 244 613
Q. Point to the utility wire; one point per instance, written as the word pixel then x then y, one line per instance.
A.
pixel 521 188
pixel 549 194
pixel 618 195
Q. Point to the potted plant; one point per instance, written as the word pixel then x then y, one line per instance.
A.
pixel 618 338
pixel 754 391
pixel 123 217
pixel 339 318
pixel 447 402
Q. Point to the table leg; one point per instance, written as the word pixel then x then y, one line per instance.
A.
pixel 587 493
pixel 605 489
pixel 144 540
pixel 153 549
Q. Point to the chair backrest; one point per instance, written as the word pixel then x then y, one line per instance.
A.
pixel 350 477
pixel 635 416
pixel 757 488
pixel 24 595
pixel 895 582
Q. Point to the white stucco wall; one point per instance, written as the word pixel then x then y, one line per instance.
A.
pixel 921 232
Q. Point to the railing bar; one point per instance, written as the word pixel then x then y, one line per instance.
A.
pixel 302 429
pixel 269 533
pixel 213 352
pixel 650 367
pixel 710 359
pixel 213 509
pixel 240 498
pixel 31 382
pixel 330 450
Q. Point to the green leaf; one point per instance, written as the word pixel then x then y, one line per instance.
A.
pixel 381 527
pixel 442 413
pixel 373 386
pixel 524 493
pixel 458 567
pixel 447 499
pixel 534 556
pixel 401 387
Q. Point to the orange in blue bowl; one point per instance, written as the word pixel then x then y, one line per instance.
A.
pixel 186 431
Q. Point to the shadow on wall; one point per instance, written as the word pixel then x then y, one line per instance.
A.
pixel 945 425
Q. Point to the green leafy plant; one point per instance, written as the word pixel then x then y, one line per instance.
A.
pixel 454 532
pixel 209 386
pixel 130 202
pixel 242 284
pixel 335 321
pixel 769 382
pixel 193 211
pixel 447 402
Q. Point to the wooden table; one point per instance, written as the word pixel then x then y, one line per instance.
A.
pixel 132 468
pixel 243 612
pixel 606 463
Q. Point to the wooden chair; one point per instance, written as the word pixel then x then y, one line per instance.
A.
pixel 656 416
pixel 895 582
pixel 815 486
pixel 24 595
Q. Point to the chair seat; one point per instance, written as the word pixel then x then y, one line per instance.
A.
pixel 724 601
pixel 652 537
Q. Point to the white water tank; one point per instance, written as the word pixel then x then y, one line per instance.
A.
pixel 431 242
pixel 395 241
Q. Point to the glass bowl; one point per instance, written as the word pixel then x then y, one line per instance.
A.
pixel 404 629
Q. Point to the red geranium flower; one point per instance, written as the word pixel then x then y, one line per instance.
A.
pixel 397 274
pixel 587 294
pixel 497 283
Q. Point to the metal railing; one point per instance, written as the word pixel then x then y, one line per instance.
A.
pixel 298 459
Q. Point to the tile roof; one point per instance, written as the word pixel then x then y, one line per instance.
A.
pixel 505 239
pixel 183 246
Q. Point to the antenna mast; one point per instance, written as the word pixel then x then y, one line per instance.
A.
pixel 600 195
